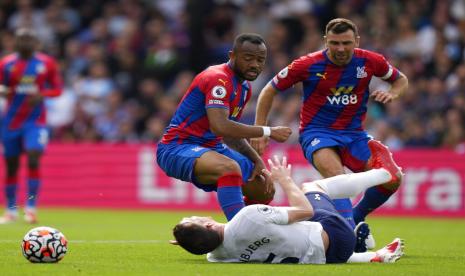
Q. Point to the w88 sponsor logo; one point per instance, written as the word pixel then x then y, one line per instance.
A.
pixel 343 99
pixel 342 95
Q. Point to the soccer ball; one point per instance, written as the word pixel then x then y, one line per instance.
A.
pixel 44 245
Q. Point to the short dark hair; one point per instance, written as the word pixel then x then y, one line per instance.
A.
pixel 196 238
pixel 340 25
pixel 250 37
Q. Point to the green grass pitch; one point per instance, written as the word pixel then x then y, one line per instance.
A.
pixel 136 243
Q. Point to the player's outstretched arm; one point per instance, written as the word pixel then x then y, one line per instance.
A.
pixel 222 126
pixel 280 172
pixel 398 88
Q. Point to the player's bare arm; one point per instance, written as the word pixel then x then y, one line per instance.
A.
pixel 398 88
pixel 264 103
pixel 222 126
pixel 242 146
pixel 280 172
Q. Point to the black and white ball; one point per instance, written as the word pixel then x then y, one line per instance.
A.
pixel 44 245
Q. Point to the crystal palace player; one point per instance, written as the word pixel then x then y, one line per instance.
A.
pixel 204 144
pixel 26 77
pixel 335 95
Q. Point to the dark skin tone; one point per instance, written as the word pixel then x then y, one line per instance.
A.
pixel 26 43
pixel 247 61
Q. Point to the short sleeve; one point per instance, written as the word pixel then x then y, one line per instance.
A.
pixel 217 90
pixel 383 69
pixel 275 215
pixel 295 72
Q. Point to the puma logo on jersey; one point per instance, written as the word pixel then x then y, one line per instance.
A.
pixel 323 76
pixel 222 81
pixel 317 197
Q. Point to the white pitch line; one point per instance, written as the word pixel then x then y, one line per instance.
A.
pixel 98 241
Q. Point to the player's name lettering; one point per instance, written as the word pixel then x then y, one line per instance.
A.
pixel 251 248
pixel 215 102
pixel 342 99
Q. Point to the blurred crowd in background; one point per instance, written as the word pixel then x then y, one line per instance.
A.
pixel 127 63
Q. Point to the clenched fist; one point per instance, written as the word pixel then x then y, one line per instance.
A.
pixel 280 133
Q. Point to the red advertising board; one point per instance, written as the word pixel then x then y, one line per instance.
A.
pixel 126 176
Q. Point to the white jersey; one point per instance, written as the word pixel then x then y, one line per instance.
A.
pixel 261 233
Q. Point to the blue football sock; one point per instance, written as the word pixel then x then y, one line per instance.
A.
pixel 229 194
pixel 372 199
pixel 10 192
pixel 33 188
pixel 344 207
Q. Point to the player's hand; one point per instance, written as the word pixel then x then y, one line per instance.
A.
pixel 257 170
pixel 279 171
pixel 259 144
pixel 280 133
pixel 383 97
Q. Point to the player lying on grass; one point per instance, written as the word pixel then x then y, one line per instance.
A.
pixel 309 231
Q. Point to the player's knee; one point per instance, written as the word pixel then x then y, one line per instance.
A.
pixel 313 186
pixel 229 166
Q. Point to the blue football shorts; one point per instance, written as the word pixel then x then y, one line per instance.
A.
pixel 26 138
pixel 340 233
pixel 177 160
pixel 352 145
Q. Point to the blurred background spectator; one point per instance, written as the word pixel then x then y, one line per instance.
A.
pixel 127 63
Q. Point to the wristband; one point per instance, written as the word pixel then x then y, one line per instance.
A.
pixel 266 131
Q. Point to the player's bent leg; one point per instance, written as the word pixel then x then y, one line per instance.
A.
pixel 328 162
pixel 214 168
pixel 381 157
pixel 350 184
pixel 209 167
pixel 374 197
pixel 313 186
pixel 340 233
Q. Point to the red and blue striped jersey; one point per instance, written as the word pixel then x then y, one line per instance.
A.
pixel 23 77
pixel 334 97
pixel 215 87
